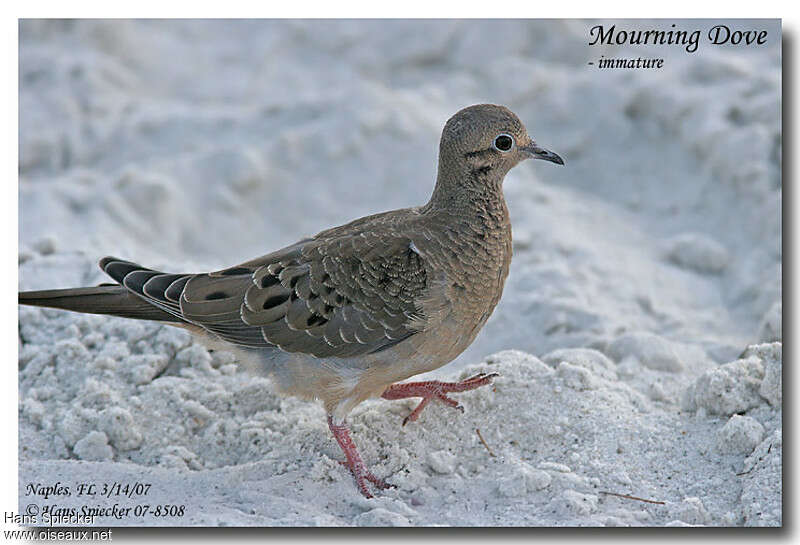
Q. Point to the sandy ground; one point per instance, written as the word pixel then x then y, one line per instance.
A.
pixel 638 340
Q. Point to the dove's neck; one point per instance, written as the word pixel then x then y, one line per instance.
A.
pixel 473 195
pixel 469 219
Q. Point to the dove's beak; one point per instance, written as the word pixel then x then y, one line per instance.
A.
pixel 535 152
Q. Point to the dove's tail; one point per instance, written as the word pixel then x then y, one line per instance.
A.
pixel 114 300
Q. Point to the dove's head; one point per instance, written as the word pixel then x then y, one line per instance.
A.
pixel 480 144
pixel 491 137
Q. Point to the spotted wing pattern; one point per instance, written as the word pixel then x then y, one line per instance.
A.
pixel 339 296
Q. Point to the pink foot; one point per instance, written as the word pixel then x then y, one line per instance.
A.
pixel 353 460
pixel 433 389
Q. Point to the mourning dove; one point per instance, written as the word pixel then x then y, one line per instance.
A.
pixel 346 314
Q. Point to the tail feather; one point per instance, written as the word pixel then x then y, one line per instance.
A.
pixel 114 300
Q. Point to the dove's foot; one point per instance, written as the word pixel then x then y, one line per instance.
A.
pixel 434 389
pixel 353 460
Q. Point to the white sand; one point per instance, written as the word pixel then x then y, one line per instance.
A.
pixel 643 270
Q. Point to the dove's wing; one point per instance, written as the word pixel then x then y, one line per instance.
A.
pixel 336 296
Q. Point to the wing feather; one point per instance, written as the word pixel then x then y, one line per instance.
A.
pixel 344 293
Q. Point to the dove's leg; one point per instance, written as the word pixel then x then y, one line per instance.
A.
pixel 434 389
pixel 353 459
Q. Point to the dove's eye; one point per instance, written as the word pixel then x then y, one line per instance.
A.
pixel 504 142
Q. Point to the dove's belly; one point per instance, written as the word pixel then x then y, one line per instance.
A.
pixel 343 383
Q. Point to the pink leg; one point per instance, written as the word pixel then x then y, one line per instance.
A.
pixel 353 460
pixel 433 389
